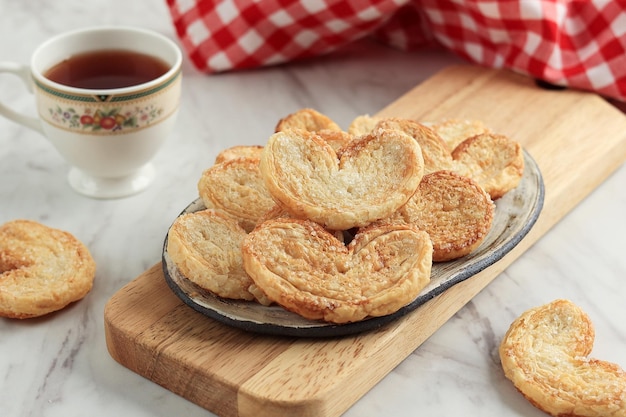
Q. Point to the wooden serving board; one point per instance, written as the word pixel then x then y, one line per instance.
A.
pixel 576 138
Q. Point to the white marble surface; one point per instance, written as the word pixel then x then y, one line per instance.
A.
pixel 59 365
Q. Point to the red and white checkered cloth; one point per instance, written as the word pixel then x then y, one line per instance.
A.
pixel 575 43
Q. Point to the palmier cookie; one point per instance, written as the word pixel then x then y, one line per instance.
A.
pixel 236 187
pixel 239 151
pixel 278 211
pixel 454 210
pixel 314 121
pixel 436 154
pixel 41 269
pixel 307 119
pixel 363 124
pixel 494 161
pixel 455 131
pixel 206 248
pixel 336 139
pixel 375 175
pixel 302 267
pixel 545 354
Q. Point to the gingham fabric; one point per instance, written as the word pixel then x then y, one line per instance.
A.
pixel 576 43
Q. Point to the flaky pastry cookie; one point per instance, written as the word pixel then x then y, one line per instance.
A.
pixel 307 119
pixel 494 161
pixel 236 187
pixel 302 267
pixel 206 248
pixel 434 150
pixel 41 269
pixel 336 139
pixel 545 354
pixel 363 125
pixel 278 211
pixel 455 131
pixel 375 175
pixel 313 121
pixel 238 151
pixel 454 210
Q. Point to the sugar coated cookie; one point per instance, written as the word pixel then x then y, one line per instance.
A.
pixel 545 354
pixel 41 269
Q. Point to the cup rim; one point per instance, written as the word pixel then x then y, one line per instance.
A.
pixel 171 73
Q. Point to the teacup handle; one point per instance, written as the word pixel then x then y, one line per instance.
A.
pixel 23 72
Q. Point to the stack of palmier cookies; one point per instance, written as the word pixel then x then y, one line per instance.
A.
pixel 341 225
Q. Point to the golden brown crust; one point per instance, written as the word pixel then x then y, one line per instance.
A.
pixel 311 120
pixel 306 119
pixel 278 211
pixel 493 161
pixel 434 150
pixel 455 211
pixel 455 131
pixel 206 248
pixel 41 269
pixel 336 139
pixel 302 267
pixel 545 354
pixel 236 187
pixel 363 125
pixel 375 176
pixel 247 151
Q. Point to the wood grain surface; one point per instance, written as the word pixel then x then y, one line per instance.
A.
pixel 576 138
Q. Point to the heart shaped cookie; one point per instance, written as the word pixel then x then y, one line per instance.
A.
pixel 545 354
pixel 373 176
pixel 305 269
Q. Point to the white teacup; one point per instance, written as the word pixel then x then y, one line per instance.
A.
pixel 108 135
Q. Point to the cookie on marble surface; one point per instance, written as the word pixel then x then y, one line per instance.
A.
pixel 545 354
pixel 42 269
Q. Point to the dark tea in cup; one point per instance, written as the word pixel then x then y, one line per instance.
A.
pixel 107 69
pixel 106 98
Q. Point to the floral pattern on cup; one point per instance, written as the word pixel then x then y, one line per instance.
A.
pixel 105 119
